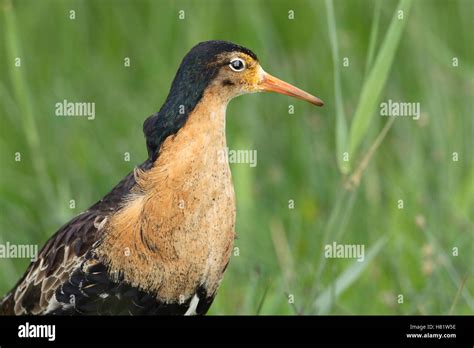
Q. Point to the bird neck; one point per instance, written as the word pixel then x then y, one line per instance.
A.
pixel 187 90
pixel 180 218
pixel 201 138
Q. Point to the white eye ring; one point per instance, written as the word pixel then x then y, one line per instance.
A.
pixel 237 64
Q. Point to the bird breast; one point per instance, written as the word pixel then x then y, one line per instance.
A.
pixel 175 231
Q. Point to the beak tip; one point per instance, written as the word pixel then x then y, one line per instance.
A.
pixel 318 102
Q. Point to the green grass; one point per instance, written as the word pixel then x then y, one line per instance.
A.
pixel 377 77
pixel 280 250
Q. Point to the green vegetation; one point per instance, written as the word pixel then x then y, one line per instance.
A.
pixel 280 251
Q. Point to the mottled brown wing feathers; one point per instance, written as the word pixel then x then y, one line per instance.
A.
pixel 63 254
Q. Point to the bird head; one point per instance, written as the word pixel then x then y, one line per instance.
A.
pixel 221 68
pixel 239 72
pixel 231 70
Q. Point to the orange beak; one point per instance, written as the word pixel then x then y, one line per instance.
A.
pixel 270 83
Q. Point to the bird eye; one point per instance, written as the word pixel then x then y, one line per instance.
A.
pixel 237 64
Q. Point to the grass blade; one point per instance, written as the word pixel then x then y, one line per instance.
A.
pixel 458 293
pixel 262 300
pixel 324 301
pixel 23 97
pixel 356 177
pixel 377 78
pixel 373 36
pixel 341 123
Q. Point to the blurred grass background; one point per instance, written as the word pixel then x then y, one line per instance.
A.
pixel 280 267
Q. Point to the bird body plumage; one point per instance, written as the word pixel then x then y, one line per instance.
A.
pixel 164 234
pixel 160 241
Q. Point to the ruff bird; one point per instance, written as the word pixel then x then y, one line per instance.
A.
pixel 160 240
